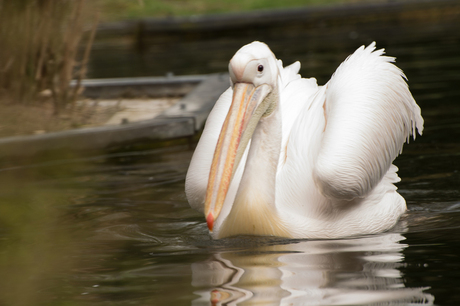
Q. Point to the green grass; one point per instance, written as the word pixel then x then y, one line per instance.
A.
pixel 133 9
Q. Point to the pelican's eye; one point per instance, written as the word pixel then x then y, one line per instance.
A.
pixel 260 68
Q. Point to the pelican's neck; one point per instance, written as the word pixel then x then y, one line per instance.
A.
pixel 259 178
pixel 254 210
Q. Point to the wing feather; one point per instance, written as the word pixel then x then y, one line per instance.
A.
pixel 370 113
pixel 294 95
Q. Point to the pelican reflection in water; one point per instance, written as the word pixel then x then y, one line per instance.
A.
pixel 359 271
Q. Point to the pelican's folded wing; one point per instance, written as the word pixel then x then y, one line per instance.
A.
pixel 369 113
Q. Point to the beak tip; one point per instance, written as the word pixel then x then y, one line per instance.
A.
pixel 210 221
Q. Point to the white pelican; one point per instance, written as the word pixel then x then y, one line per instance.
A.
pixel 282 156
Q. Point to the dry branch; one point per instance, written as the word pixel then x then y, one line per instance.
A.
pixel 39 42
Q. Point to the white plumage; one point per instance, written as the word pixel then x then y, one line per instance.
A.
pixel 299 160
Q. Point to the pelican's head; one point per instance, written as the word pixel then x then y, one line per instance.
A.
pixel 254 76
pixel 255 64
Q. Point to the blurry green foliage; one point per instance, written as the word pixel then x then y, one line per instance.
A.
pixel 131 9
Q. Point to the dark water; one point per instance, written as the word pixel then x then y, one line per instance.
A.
pixel 117 229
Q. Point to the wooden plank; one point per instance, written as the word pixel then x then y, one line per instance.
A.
pixel 97 138
pixel 184 119
pixel 113 88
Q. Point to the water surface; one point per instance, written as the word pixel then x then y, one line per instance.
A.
pixel 116 229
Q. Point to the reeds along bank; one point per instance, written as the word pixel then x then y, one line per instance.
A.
pixel 39 49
